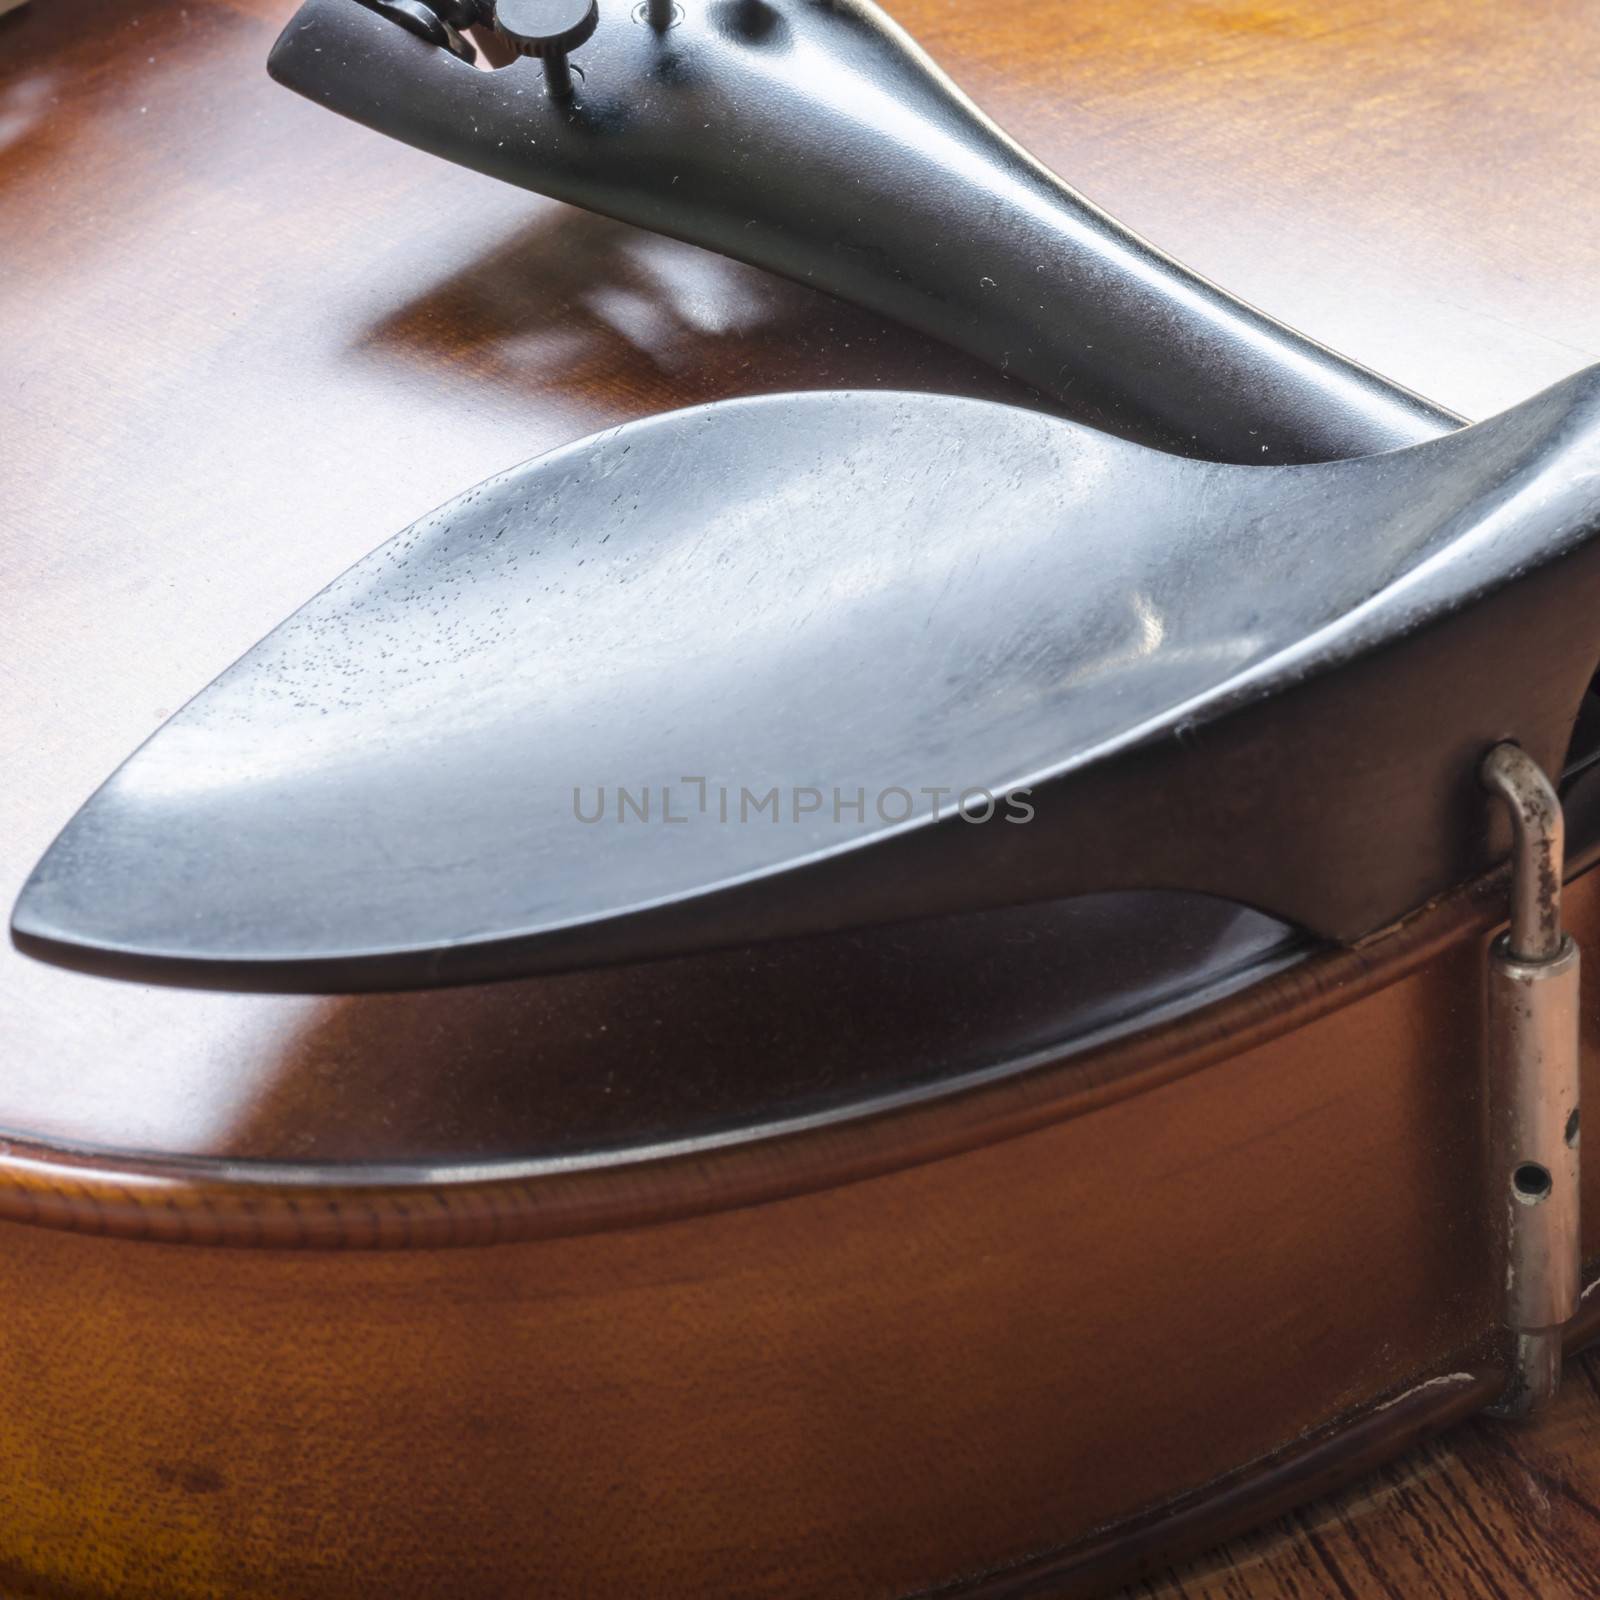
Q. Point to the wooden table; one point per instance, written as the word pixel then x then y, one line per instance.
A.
pixel 1487 1512
pixel 1413 185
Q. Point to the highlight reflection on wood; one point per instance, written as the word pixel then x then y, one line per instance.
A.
pixel 1485 1512
pixel 243 344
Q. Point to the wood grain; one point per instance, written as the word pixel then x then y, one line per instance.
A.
pixel 243 343
pixel 882 1386
pixel 247 342
pixel 1486 1512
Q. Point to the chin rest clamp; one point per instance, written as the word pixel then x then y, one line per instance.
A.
pixel 1533 1088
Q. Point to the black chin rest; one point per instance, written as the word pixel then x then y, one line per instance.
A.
pixel 1270 685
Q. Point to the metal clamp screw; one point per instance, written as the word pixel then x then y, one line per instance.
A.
pixel 1533 1086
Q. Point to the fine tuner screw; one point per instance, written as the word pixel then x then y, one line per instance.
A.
pixel 437 21
pixel 548 29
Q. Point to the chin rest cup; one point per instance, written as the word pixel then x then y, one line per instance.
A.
pixel 1272 685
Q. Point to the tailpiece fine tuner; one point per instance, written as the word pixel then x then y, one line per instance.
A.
pixel 1133 638
pixel 819 141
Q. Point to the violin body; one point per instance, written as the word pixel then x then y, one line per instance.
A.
pixel 891 1262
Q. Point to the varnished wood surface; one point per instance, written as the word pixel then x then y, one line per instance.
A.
pixel 912 1381
pixel 243 343
pixel 1422 975
pixel 1486 1512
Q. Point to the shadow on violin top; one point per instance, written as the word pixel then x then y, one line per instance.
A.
pixel 818 141
pixel 575 303
pixel 783 666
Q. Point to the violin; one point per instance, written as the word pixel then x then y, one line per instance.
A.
pixel 411 1185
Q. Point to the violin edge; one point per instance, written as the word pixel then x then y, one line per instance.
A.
pixel 253 1204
